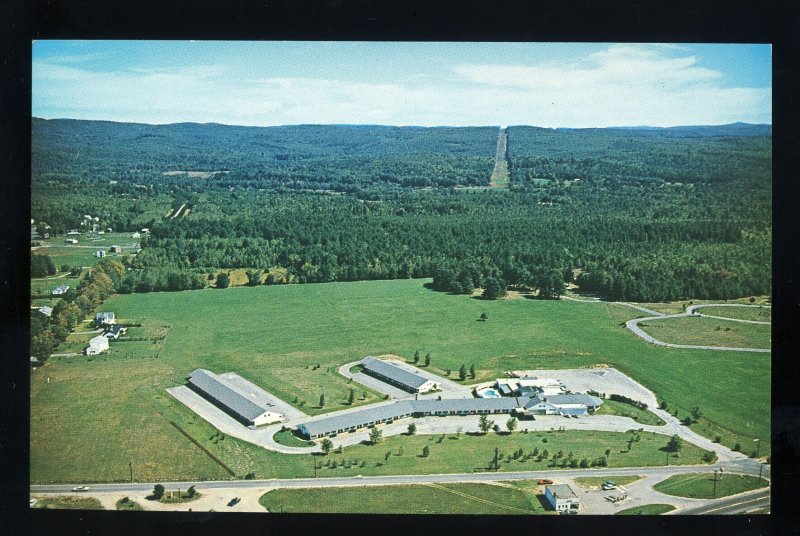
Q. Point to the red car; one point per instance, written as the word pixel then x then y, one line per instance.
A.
pixel 543 481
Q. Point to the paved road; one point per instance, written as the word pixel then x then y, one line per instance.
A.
pixel 737 504
pixel 633 325
pixel 323 482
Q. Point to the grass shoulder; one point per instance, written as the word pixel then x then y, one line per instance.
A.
pixel 647 510
pixel 702 331
pixel 68 502
pixel 701 485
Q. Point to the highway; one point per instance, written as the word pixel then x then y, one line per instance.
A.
pixel 324 482
pixel 737 504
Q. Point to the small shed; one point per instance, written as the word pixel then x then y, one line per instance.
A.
pixel 116 249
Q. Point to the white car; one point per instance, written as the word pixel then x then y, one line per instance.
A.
pixel 80 488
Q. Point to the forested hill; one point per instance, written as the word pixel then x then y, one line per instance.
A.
pixel 639 214
pixel 334 157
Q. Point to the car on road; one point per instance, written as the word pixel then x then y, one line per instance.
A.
pixel 80 488
pixel 234 501
pixel 544 481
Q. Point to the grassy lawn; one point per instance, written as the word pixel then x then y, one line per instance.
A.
pixel 701 485
pixel 674 307
pixel 647 510
pixel 331 324
pixel 287 438
pixel 613 407
pixel 69 502
pixel 708 331
pixel 761 314
pixel 127 504
pixel 403 454
pixel 411 499
pixel 597 481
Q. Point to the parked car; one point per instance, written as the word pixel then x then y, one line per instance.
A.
pixel 608 487
pixel 80 488
pixel 234 501
pixel 543 481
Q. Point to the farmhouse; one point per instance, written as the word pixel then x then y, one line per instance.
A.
pixel 115 331
pixel 228 397
pixel 577 404
pixel 47 311
pixel 60 289
pixel 105 319
pixel 562 498
pixel 400 377
pixel 352 421
pixel 70 241
pixel 97 345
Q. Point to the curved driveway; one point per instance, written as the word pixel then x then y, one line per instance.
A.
pixel 633 325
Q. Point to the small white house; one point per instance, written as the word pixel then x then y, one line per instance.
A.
pixel 60 289
pixel 562 498
pixel 47 311
pixel 100 253
pixel 105 319
pixel 116 249
pixel 145 230
pixel 97 345
pixel 70 241
pixel 136 235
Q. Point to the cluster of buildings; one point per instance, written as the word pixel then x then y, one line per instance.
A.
pixel 100 344
pixel 524 401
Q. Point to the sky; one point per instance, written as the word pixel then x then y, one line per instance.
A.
pixel 399 83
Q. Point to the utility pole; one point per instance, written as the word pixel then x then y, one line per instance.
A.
pixel 315 466
pixel 715 483
pixel 758 446
pixel 760 470
pixel 130 464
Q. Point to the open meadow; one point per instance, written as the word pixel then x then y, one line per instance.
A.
pixel 290 339
pixel 480 499
pixel 709 331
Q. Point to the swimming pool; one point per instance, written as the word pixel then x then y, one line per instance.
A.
pixel 488 393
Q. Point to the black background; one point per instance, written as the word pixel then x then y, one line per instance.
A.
pixel 728 21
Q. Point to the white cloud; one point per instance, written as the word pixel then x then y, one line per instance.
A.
pixel 622 85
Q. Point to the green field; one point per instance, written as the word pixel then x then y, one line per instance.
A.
pixel 128 504
pixel 412 499
pixel 701 485
pixel 120 395
pixel 647 510
pixel 709 332
pixel 761 314
pixel 287 438
pixel 68 502
pixel 613 407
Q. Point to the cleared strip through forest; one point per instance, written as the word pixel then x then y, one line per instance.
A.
pixel 500 174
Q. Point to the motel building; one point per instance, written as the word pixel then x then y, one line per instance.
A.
pixel 398 376
pixel 562 498
pixel 230 398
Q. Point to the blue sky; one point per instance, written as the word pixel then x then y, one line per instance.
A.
pixel 427 84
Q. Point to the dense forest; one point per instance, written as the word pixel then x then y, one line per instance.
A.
pixel 634 214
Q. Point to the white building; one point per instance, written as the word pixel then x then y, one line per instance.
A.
pixel 105 319
pixel 562 498
pixel 136 235
pixel 100 253
pixel 97 345
pixel 229 396
pixel 397 376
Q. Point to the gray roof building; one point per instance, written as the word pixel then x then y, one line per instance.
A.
pixel 227 395
pixel 394 374
pixel 406 408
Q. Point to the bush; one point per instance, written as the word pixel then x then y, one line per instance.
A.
pixel 718 439
pixel 737 448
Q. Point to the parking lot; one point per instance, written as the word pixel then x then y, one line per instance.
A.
pixel 602 380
